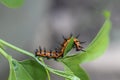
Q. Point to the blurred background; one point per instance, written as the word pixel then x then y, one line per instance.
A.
pixel 43 22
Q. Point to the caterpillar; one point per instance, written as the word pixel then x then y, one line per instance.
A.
pixel 59 52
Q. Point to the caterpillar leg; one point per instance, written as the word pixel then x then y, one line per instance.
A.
pixel 36 52
pixel 78 36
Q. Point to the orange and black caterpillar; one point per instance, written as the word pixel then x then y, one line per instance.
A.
pixel 59 52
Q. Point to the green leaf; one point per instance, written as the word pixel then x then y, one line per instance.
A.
pixel 36 71
pixel 12 3
pixel 69 46
pixel 17 72
pixel 76 70
pixel 27 70
pixel 96 47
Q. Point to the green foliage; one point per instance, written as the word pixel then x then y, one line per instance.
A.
pixel 76 70
pixel 37 70
pixel 27 70
pixel 18 71
pixel 96 47
pixel 67 75
pixel 12 3
pixel 69 46
pixel 33 68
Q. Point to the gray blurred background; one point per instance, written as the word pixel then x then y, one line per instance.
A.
pixel 43 22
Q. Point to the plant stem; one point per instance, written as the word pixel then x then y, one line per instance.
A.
pixel 16 48
pixel 46 69
pixel 8 57
pixel 48 74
